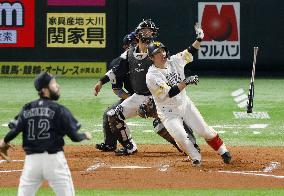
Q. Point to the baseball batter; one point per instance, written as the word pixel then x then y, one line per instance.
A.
pixel 167 82
pixel 43 124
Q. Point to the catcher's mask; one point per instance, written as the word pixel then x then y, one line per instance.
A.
pixel 155 46
pixel 148 23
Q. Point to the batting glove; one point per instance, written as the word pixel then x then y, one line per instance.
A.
pixel 191 80
pixel 199 32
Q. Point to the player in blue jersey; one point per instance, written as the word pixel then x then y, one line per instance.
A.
pixel 43 124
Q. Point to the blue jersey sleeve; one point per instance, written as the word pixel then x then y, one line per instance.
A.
pixel 71 126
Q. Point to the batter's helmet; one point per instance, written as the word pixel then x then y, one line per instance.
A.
pixel 155 46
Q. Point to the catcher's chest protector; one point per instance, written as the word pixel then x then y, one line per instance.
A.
pixel 138 69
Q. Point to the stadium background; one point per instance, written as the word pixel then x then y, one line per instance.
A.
pixel 254 147
pixel 259 25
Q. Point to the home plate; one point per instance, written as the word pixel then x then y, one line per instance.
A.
pixel 130 167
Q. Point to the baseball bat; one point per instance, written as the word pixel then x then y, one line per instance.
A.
pixel 251 86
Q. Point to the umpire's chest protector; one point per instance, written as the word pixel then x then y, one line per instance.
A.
pixel 138 68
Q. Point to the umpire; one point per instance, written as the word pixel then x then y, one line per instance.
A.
pixel 43 124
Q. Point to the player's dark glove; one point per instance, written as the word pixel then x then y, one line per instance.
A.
pixel 148 109
pixel 191 80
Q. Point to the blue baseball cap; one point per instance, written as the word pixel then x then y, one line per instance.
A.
pixel 42 80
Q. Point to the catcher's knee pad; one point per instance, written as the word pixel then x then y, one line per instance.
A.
pixel 116 118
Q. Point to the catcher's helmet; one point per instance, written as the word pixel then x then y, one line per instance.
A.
pixel 148 23
pixel 155 46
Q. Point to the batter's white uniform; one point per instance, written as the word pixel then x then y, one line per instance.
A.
pixel 51 167
pixel 178 109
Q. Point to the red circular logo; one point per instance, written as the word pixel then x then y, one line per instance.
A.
pixel 218 28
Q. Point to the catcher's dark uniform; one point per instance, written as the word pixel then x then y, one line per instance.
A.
pixel 119 67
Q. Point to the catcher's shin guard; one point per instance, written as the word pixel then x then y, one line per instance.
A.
pixel 110 137
pixel 116 118
pixel 118 127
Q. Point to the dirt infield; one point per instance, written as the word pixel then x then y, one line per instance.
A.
pixel 161 166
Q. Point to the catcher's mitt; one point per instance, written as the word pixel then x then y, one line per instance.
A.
pixel 148 109
pixel 4 150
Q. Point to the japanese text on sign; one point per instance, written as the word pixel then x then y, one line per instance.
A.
pixel 68 69
pixel 84 30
